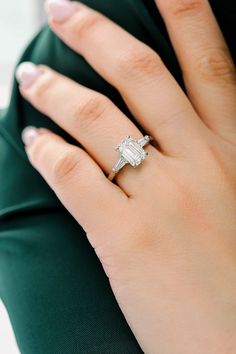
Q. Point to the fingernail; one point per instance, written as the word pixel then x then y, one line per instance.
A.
pixel 27 73
pixel 29 134
pixel 60 10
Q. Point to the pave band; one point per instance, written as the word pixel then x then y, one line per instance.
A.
pixel 131 152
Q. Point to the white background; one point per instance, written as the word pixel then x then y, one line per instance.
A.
pixel 19 21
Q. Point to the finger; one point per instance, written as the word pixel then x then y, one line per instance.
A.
pixel 206 63
pixel 91 118
pixel 76 179
pixel 152 94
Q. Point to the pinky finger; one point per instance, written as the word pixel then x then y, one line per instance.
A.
pixel 76 179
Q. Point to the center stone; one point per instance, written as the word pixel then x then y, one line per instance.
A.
pixel 132 152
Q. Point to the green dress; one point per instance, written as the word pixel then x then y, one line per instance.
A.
pixel 54 288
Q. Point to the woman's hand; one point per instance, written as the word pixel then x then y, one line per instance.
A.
pixel 166 232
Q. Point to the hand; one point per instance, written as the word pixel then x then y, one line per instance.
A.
pixel 165 233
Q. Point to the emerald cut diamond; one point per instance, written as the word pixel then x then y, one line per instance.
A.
pixel 132 151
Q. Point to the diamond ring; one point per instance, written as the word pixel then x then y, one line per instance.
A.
pixel 131 152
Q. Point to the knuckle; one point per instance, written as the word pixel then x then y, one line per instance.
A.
pixel 140 60
pixel 183 8
pixel 43 87
pixel 141 235
pixel 143 241
pixel 65 166
pixel 39 149
pixel 90 111
pixel 88 23
pixel 216 64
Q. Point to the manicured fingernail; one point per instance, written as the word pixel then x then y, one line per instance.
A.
pixel 29 134
pixel 27 73
pixel 60 10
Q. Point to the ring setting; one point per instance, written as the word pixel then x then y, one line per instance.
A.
pixel 131 152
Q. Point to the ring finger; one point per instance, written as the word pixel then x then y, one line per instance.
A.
pixel 90 117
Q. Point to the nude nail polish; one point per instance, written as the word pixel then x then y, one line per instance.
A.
pixel 29 134
pixel 27 73
pixel 60 10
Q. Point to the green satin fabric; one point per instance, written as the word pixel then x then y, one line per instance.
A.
pixel 54 288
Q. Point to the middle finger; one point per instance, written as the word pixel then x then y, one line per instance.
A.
pixel 137 71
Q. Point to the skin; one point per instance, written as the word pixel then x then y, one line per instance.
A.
pixel 165 232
